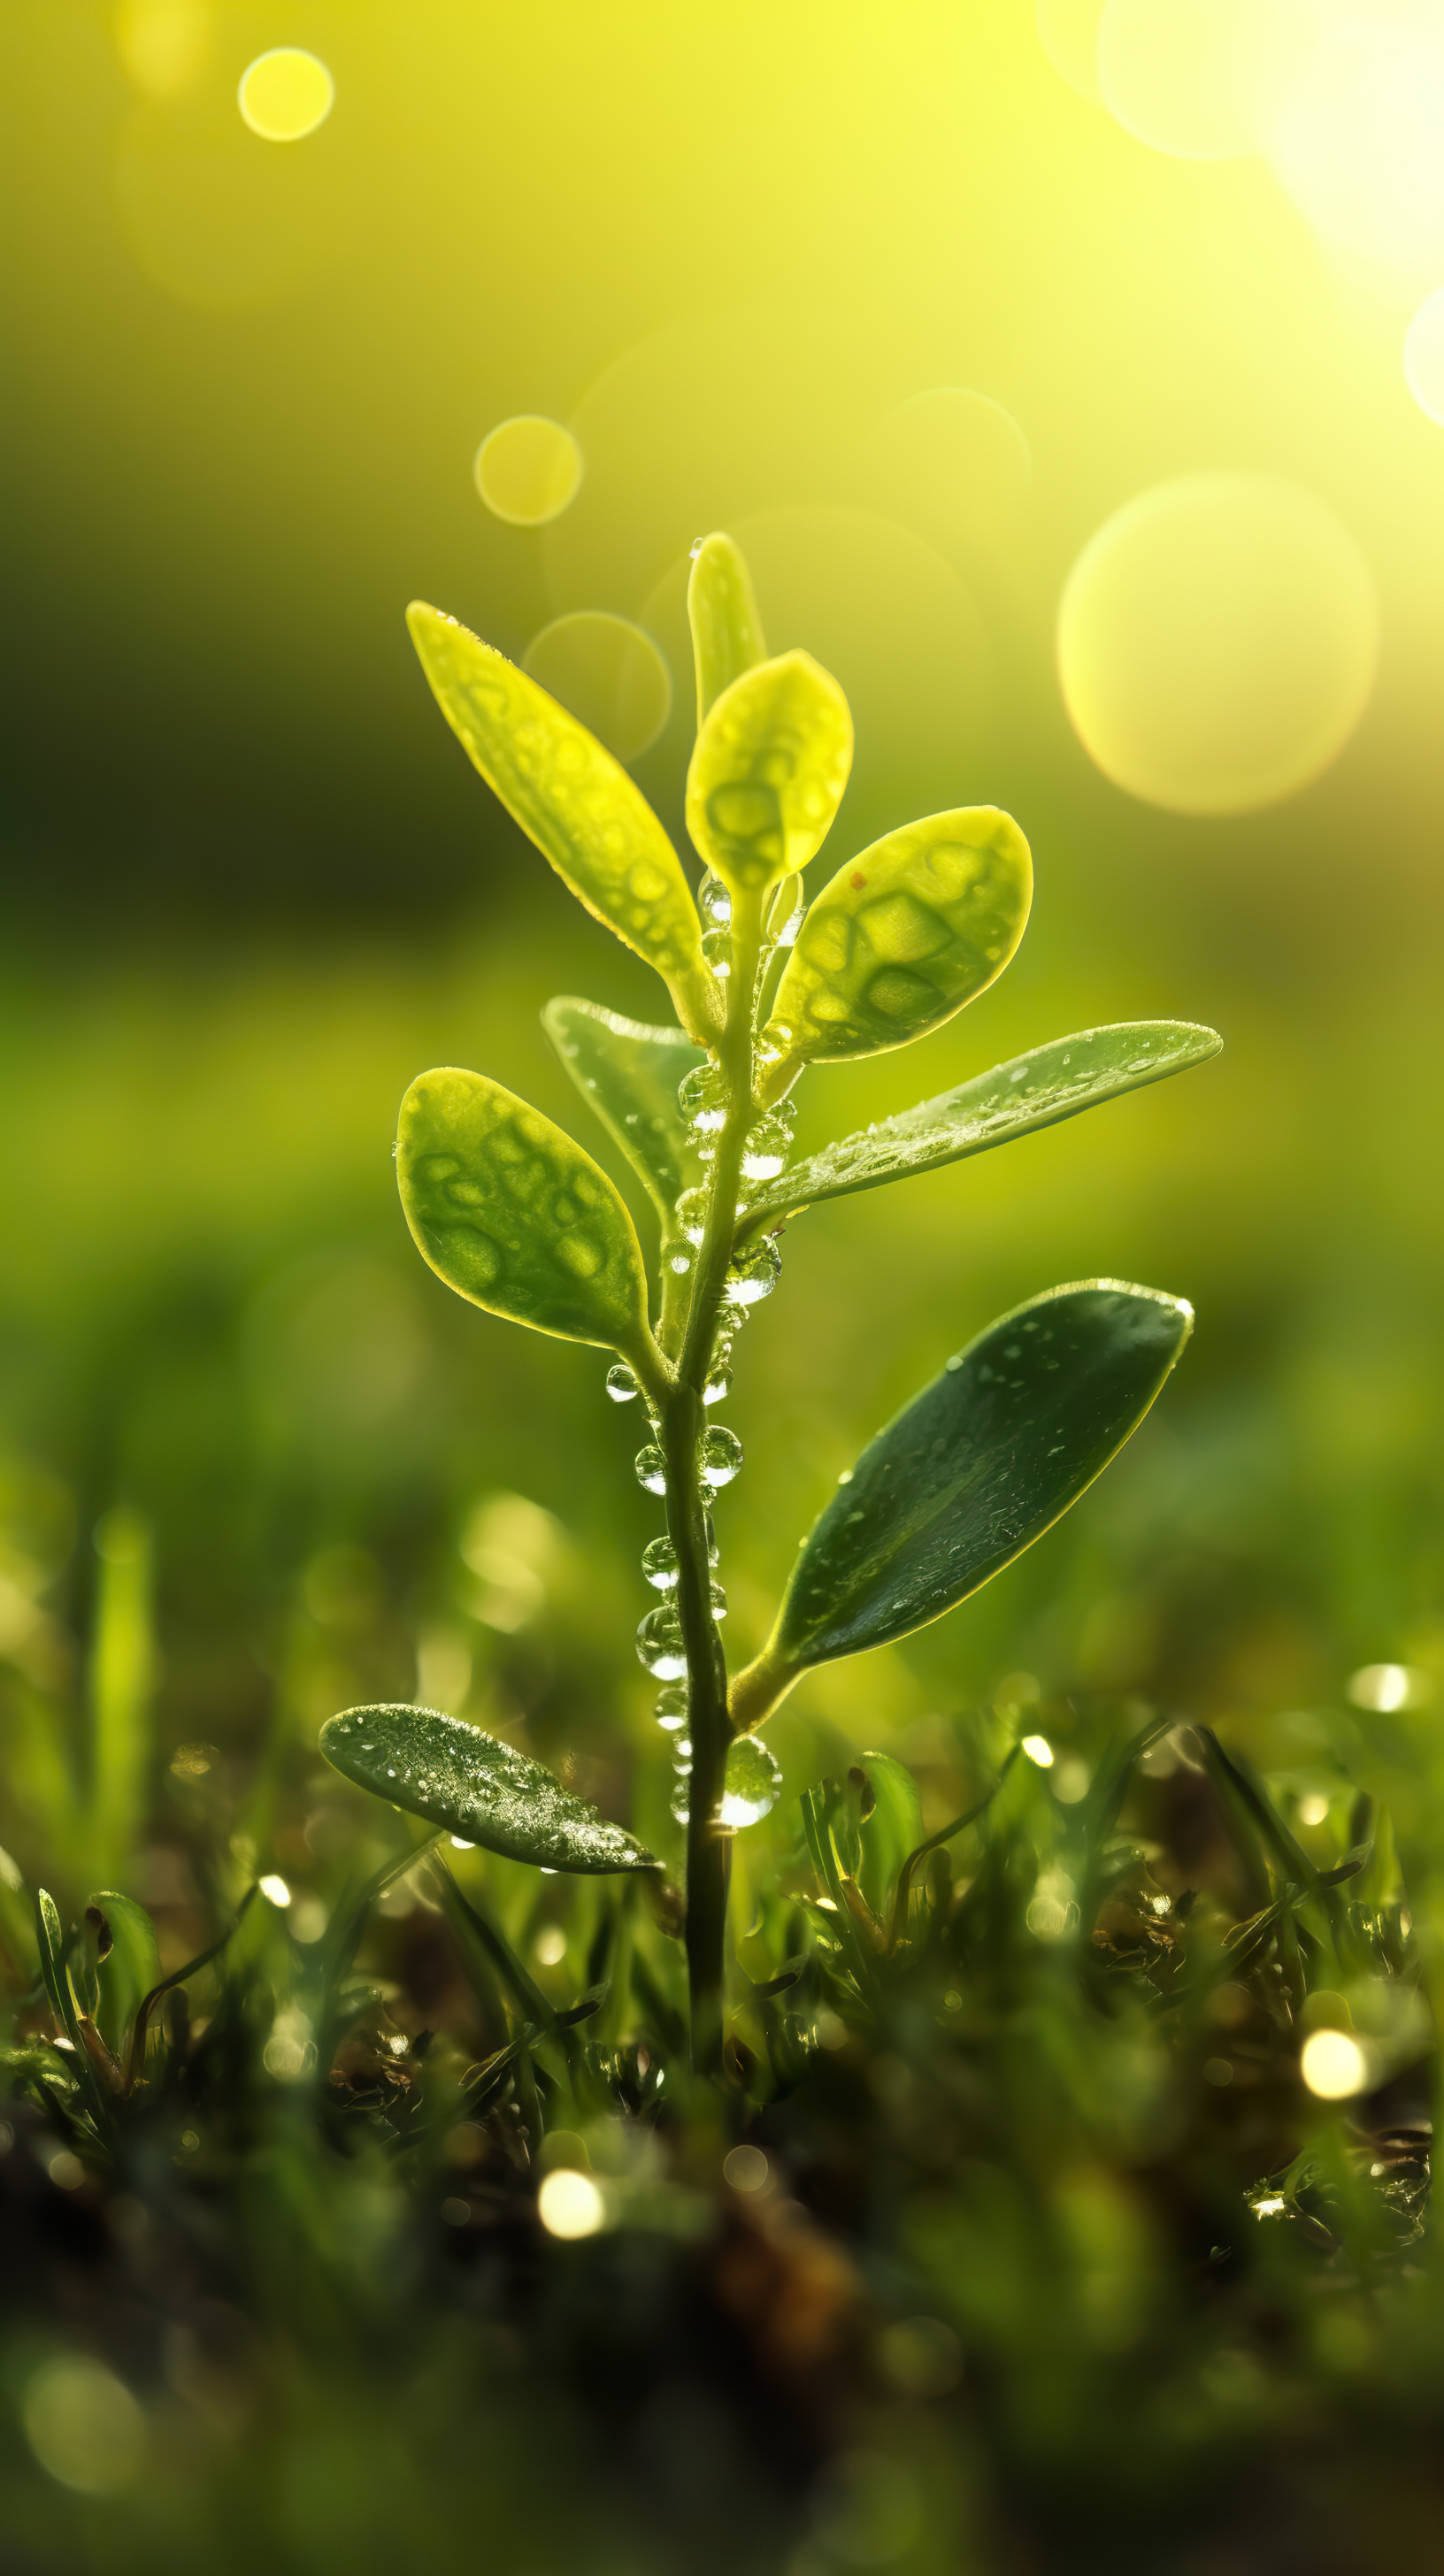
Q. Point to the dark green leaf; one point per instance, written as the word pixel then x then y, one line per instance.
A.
pixel 902 937
pixel 768 770
pixel 473 1785
pixel 1033 1090
pixel 574 800
pixel 977 1467
pixel 628 1073
pixel 726 629
pixel 513 1215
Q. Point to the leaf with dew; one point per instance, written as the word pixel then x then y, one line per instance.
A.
pixel 476 1787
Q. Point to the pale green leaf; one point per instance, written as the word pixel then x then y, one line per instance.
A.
pixel 574 800
pixel 726 629
pixel 768 770
pixel 514 1216
pixel 1033 1090
pixel 901 938
pixel 972 1472
pixel 128 1957
pixel 476 1787
pixel 628 1073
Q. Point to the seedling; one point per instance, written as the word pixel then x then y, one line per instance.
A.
pixel 520 1220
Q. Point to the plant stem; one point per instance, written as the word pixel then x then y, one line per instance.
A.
pixel 683 1422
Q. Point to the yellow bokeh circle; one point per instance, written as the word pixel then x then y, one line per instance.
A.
pixel 1199 79
pixel 285 94
pixel 528 470
pixel 1217 640
pixel 1424 356
pixel 609 673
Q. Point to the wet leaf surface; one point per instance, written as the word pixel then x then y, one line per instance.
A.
pixel 473 1785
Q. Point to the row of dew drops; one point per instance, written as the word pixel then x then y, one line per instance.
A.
pixel 753 1777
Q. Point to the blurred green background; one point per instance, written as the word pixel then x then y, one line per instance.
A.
pixel 253 887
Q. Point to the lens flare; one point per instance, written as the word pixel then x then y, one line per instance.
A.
pixel 1217 640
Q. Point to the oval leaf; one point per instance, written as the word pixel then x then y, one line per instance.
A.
pixel 473 1785
pixel 573 799
pixel 129 1961
pixel 628 1073
pixel 768 770
pixel 514 1216
pixel 978 1466
pixel 902 937
pixel 1033 1090
pixel 726 629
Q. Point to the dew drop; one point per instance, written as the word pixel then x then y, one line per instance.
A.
pixel 651 1469
pixel 714 902
pixel 752 1782
pixel 671 1710
pixel 622 1383
pixel 754 1275
pixel 659 1564
pixel 659 1644
pixel 719 1384
pixel 690 1215
pixel 721 1456
pixel 717 952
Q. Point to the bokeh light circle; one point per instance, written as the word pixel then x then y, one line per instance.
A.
pixel 1068 34
pixel 1217 641
pixel 285 94
pixel 1357 141
pixel 610 673
pixel 1199 79
pixel 84 2426
pixel 528 470
pixel 1424 356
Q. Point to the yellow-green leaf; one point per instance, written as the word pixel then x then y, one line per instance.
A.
pixel 574 800
pixel 902 937
pixel 768 771
pixel 514 1216
pixel 726 629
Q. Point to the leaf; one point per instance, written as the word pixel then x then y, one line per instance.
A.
pixel 574 800
pixel 973 1470
pixel 60 1995
pixel 902 937
pixel 1030 1091
pixel 628 1073
pixel 129 1961
pixel 726 629
pixel 891 1827
pixel 514 1216
pixel 768 770
pixel 473 1785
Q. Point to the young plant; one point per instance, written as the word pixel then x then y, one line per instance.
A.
pixel 516 1217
